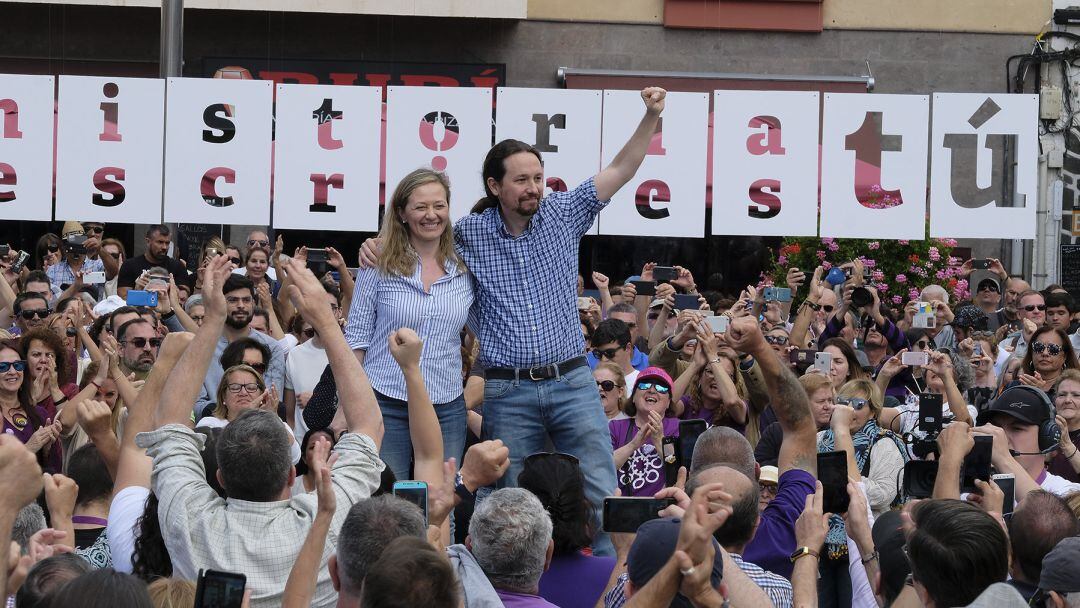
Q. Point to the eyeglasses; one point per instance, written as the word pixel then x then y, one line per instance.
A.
pixel 259 367
pixel 238 300
pixel 1040 348
pixel 606 385
pixel 53 248
pixel 94 229
pixel 856 403
pixel 608 353
pixel 236 261
pixel 19 366
pixel 250 387
pixel 767 488
pixel 30 314
pixel 1034 307
pixel 779 340
pixel 660 388
pixel 142 342
pixel 254 243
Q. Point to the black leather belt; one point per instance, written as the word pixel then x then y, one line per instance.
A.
pixel 545 372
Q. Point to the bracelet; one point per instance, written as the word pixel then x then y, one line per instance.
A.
pixel 813 306
pixel 870 558
pixel 94 382
pixel 60 400
pixel 1075 451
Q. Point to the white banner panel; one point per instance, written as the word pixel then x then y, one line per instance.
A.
pixel 445 128
pixel 109 148
pixel 971 133
pixel 765 152
pixel 26 147
pixel 874 154
pixel 563 124
pixel 326 160
pixel 217 151
pixel 667 195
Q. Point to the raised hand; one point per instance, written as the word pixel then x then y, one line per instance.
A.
pixel 309 296
pixel 217 271
pixel 320 466
pixel 406 347
pixel 484 464
pixel 654 99
pixel 95 417
pixel 20 475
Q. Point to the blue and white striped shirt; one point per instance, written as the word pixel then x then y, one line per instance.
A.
pixel 383 304
pixel 526 304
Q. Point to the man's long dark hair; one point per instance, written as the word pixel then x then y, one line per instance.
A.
pixel 495 168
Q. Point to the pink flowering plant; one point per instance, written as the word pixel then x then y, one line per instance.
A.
pixel 899 269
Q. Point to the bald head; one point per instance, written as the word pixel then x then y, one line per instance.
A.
pixel 740 527
pixel 724 445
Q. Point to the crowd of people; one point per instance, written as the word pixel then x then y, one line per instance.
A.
pixel 272 416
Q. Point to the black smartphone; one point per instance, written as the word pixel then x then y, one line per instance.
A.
pixel 5 250
pixel 930 405
pixel 686 301
pixel 663 274
pixel 217 589
pixel 803 356
pixel 1006 482
pixel 689 431
pixel 316 261
pixel 919 478
pixel 833 474
pixel 626 513
pixel 977 463
pixel 645 288
pixel 983 264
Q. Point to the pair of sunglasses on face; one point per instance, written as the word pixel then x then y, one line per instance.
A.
pixel 1040 348
pixel 1034 307
pixel 778 340
pixel 19 366
pixel 856 403
pixel 30 314
pixel 606 385
pixel 663 389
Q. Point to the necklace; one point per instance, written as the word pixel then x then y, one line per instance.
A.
pixel 17 418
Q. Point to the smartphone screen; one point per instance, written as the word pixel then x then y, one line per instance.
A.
pixel 645 288
pixel 833 474
pixel 626 514
pixel 930 405
pixel 220 589
pixel 686 301
pixel 977 463
pixel 689 431
pixel 414 492
pixel 663 274
pixel 1007 483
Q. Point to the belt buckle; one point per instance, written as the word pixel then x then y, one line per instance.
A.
pixel 533 377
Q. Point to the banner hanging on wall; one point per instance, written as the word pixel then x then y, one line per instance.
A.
pixel 218 137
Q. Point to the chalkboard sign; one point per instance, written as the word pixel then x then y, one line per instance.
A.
pixel 1069 268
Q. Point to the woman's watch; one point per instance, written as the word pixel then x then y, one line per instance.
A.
pixel 462 491
pixel 803 552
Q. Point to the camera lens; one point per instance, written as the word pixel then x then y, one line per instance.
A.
pixel 861 296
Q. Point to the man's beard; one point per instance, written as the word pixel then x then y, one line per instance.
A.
pixel 137 365
pixel 235 323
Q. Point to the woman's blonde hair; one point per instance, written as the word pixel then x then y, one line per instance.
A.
pixel 172 593
pixel 114 419
pixel 221 410
pixel 864 389
pixel 620 381
pixel 694 392
pixel 214 243
pixel 398 257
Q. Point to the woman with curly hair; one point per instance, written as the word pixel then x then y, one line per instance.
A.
pixel 29 423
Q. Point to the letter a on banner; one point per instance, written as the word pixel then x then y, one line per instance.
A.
pixel 765 152
pixel 444 128
pixel 667 195
pixel 217 151
pixel 108 157
pixel 873 166
pixel 326 160
pixel 971 135
pixel 26 147
pixel 563 124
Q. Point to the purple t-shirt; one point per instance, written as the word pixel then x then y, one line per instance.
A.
pixel 774 542
pixel 576 581
pixel 689 413
pixel 522 600
pixel 643 473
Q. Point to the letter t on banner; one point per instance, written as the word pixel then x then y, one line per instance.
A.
pixel 667 195
pixel 765 153
pixel 563 124
pixel 873 166
pixel 971 135
pixel 326 161
pixel 217 151
pixel 26 147
pixel 108 157
pixel 444 128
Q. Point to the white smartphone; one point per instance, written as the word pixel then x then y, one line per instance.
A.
pixel 915 359
pixel 94 278
pixel 718 323
pixel 823 362
pixel 1007 483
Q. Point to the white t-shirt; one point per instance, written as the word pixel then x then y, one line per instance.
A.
pixel 631 379
pixel 909 415
pixel 217 423
pixel 124 513
pixel 1059 486
pixel 303 368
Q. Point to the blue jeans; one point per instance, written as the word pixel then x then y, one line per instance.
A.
pixel 523 413
pixel 397 450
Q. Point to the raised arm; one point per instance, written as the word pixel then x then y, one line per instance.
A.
pixel 300 587
pixel 789 400
pixel 424 430
pixel 357 399
pixel 626 162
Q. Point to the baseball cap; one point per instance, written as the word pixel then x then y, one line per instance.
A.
pixel 653 547
pixel 970 316
pixel 656 303
pixel 654 373
pixel 888 535
pixel 1059 568
pixel 1020 402
pixel 988 284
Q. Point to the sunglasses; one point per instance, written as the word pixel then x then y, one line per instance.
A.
pixel 253 243
pixel 1034 307
pixel 779 340
pixel 606 385
pixel 53 248
pixel 608 353
pixel 856 403
pixel 142 342
pixel 236 261
pixel 923 344
pixel 19 366
pixel 827 307
pixel 534 459
pixel 94 229
pixel 1040 348
pixel 663 389
pixel 259 367
pixel 30 314
pixel 992 288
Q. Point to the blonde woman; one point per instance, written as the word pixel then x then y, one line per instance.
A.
pixel 243 388
pixel 611 383
pixel 419 283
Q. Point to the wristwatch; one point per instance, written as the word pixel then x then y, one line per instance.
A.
pixel 461 490
pixel 814 307
pixel 802 552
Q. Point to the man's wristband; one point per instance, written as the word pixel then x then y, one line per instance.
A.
pixel 813 306
pixel 870 558
pixel 803 552
pixel 462 491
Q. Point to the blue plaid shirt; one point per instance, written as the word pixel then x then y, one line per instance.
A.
pixel 525 312
pixel 60 274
